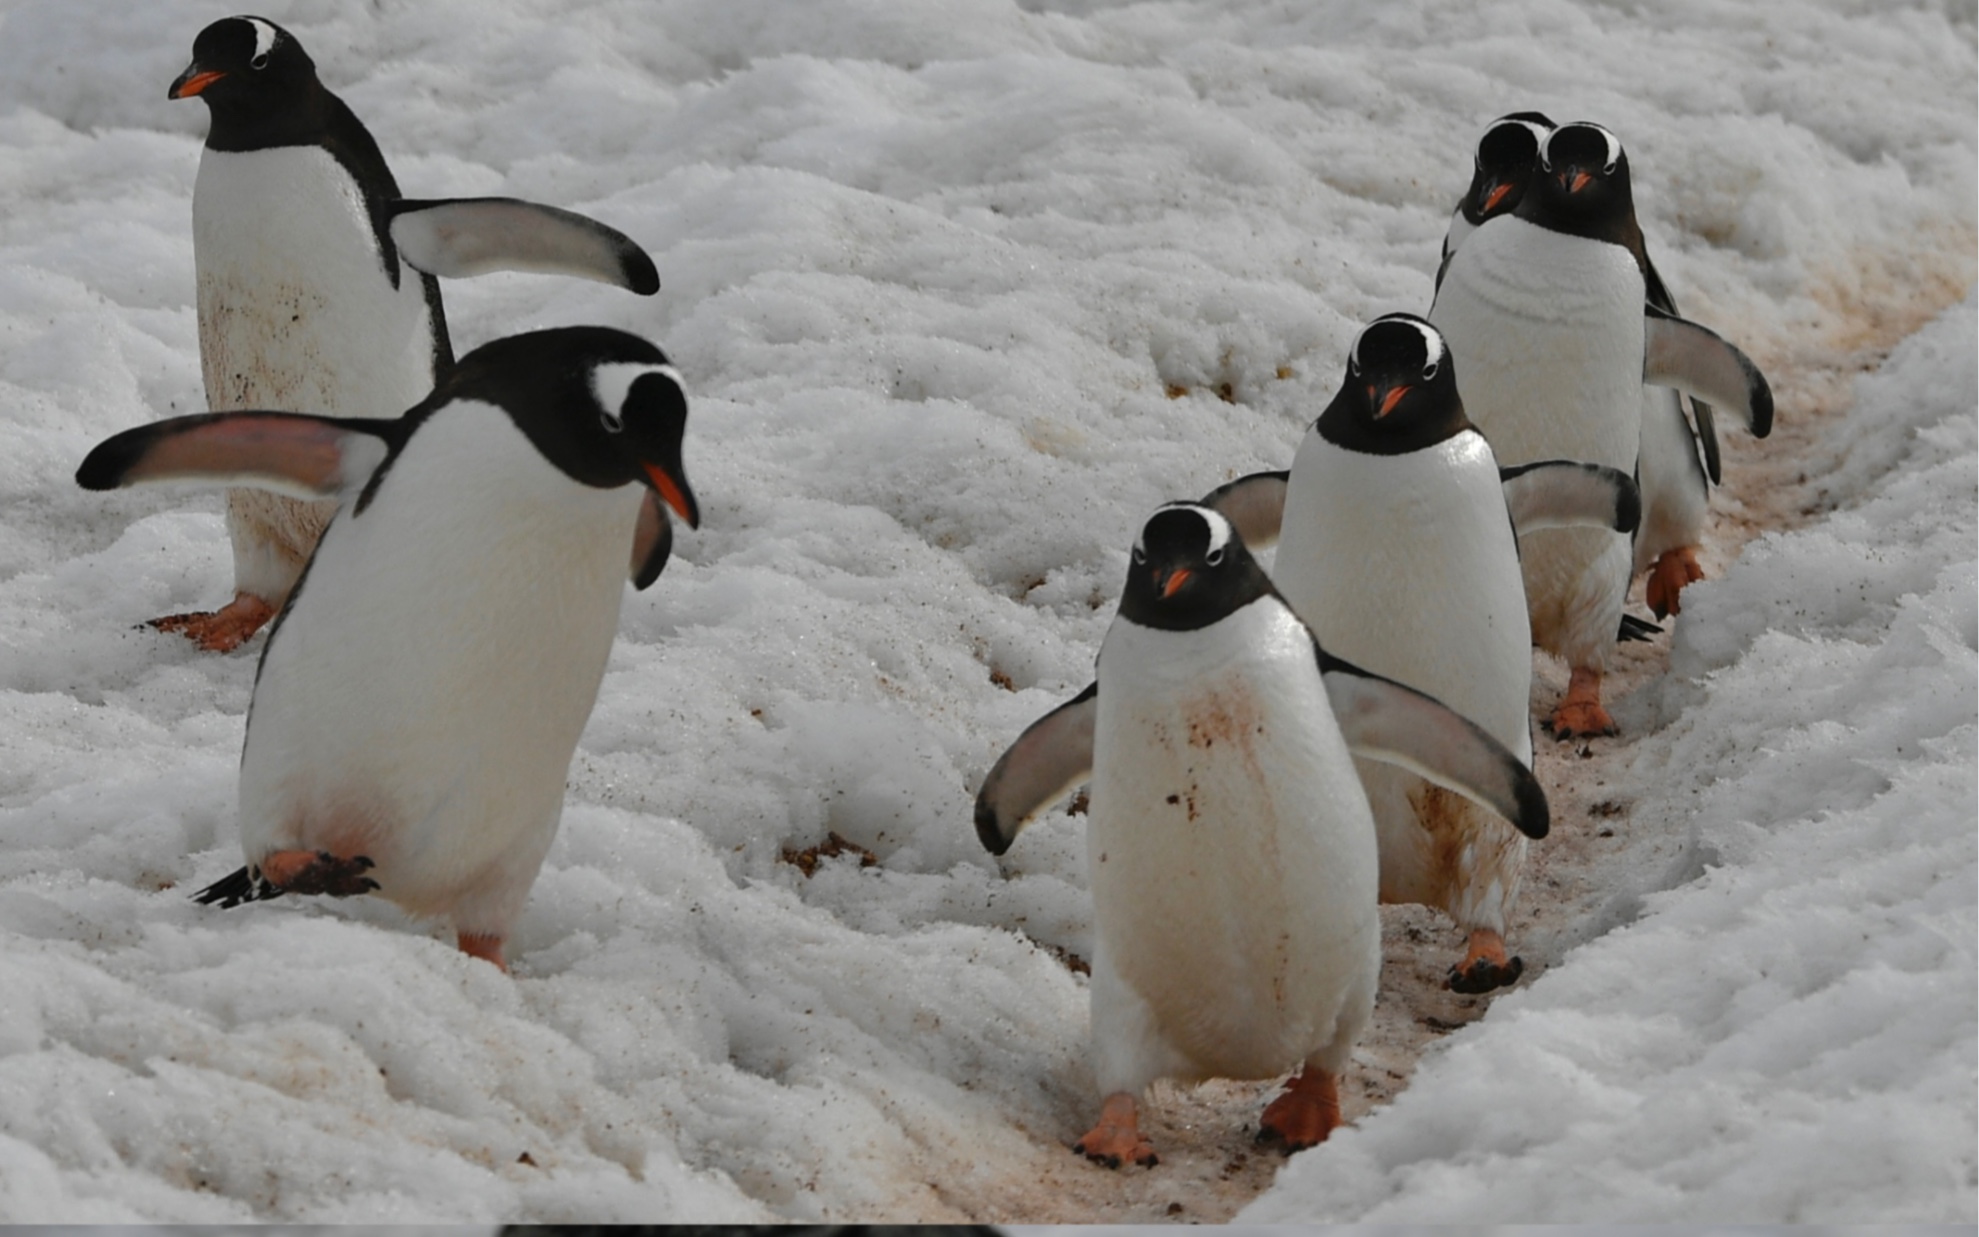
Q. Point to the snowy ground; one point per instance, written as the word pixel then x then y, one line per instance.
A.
pixel 962 290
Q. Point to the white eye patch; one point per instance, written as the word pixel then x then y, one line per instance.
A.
pixel 1614 143
pixel 1432 340
pixel 612 381
pixel 1219 529
pixel 264 38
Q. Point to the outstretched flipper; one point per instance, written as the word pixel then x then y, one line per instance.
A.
pixel 286 452
pixel 458 238
pixel 652 541
pixel 1383 720
pixel 1703 426
pixel 1051 757
pixel 1254 505
pixel 1679 353
pixel 1568 494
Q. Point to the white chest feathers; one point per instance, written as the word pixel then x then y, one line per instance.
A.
pixel 1232 853
pixel 420 701
pixel 1547 333
pixel 296 309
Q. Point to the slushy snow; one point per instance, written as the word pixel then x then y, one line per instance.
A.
pixel 962 290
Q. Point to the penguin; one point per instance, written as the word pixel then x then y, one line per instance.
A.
pixel 420 695
pixel 1679 458
pixel 317 281
pixel 1231 853
pixel 1507 152
pixel 1399 548
pixel 1546 316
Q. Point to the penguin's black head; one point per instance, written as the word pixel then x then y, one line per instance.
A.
pixel 250 72
pixel 1400 394
pixel 1582 184
pixel 1189 568
pixel 1506 156
pixel 603 406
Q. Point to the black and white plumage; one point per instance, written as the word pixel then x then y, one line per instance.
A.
pixel 1545 312
pixel 317 286
pixel 422 691
pixel 1232 857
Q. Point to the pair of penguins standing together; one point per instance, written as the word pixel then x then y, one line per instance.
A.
pixel 1254 794
pixel 431 770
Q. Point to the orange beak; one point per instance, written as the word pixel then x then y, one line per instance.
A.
pixel 1389 400
pixel 1497 195
pixel 192 81
pixel 1174 582
pixel 1579 181
pixel 674 496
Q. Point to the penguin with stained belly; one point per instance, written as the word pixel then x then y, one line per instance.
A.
pixel 1399 547
pixel 1545 313
pixel 1679 459
pixel 317 286
pixel 422 691
pixel 1231 854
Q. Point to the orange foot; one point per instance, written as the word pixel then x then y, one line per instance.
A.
pixel 1580 714
pixel 485 946
pixel 1116 1139
pixel 1485 965
pixel 222 630
pixel 1673 569
pixel 1304 1113
pixel 317 872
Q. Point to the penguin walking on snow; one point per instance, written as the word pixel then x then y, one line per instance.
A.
pixel 1545 314
pixel 422 691
pixel 1231 853
pixel 1399 547
pixel 317 286
pixel 1679 459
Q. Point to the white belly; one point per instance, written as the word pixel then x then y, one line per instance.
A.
pixel 420 702
pixel 1407 567
pixel 1232 856
pixel 1546 332
pixel 296 314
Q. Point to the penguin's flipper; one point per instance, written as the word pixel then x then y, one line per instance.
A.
pixel 458 238
pixel 1570 494
pixel 1254 505
pixel 1707 438
pixel 652 541
pixel 1679 353
pixel 1383 720
pixel 286 452
pixel 1051 757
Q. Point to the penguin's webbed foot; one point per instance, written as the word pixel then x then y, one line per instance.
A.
pixel 1485 965
pixel 1304 1114
pixel 1116 1138
pixel 222 630
pixel 1580 715
pixel 1672 570
pixel 317 872
pixel 483 945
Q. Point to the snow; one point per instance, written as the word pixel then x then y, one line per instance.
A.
pixel 933 273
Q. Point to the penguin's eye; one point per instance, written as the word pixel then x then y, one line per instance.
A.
pixel 610 420
pixel 259 62
pixel 1140 556
pixel 1215 557
pixel 1610 169
pixel 1430 370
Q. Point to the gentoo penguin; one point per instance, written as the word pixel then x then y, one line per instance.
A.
pixel 1675 478
pixel 1393 475
pixel 317 288
pixel 422 691
pixel 1400 550
pixel 1506 154
pixel 1544 311
pixel 1231 854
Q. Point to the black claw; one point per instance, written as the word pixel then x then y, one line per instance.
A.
pixel 1483 976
